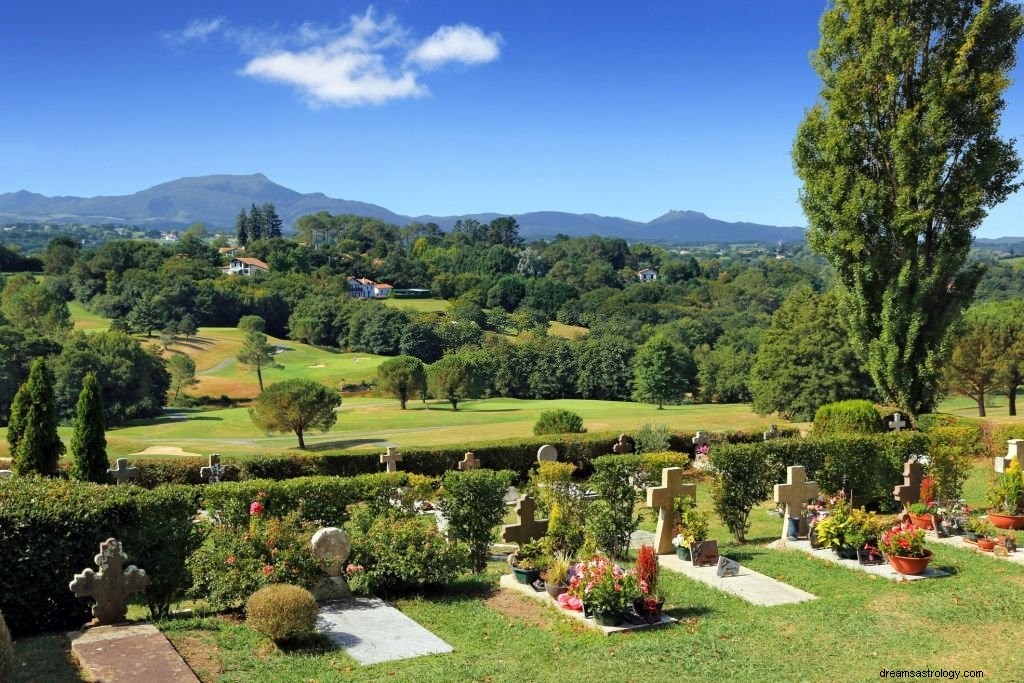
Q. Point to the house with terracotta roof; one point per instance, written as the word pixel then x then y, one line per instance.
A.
pixel 647 275
pixel 365 288
pixel 245 265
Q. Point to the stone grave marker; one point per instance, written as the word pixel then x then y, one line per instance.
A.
pixel 727 567
pixel 122 473
pixel 772 433
pixel 6 474
pixel 898 423
pixel 1003 462
pixel 662 497
pixel 529 527
pixel 111 586
pixel 796 491
pixel 331 547
pixel 212 472
pixel 704 553
pixel 910 490
pixel 547 453
pixel 469 462
pixel 625 444
pixel 391 459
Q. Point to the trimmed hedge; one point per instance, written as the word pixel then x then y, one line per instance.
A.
pixel 855 416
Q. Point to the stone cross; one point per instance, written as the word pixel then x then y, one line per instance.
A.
pixel 897 423
pixel 391 459
pixel 1003 462
pixel 529 527
pixel 122 473
pixel 662 497
pixel 624 444
pixel 796 491
pixel 772 433
pixel 700 440
pixel 910 490
pixel 469 462
pixel 547 453
pixel 212 473
pixel 111 586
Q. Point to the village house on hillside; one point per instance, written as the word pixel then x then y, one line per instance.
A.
pixel 364 288
pixel 247 266
pixel 647 275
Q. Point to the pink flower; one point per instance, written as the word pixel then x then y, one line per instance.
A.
pixel 267 570
pixel 256 509
pixel 261 494
pixel 231 559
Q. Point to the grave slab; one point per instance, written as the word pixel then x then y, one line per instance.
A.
pixel 958 542
pixel 372 631
pixel 509 582
pixel 882 570
pixel 754 587
pixel 129 653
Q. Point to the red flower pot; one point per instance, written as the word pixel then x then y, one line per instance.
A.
pixel 921 521
pixel 910 565
pixel 1002 521
pixel 987 544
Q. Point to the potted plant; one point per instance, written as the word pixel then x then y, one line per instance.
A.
pixel 556 576
pixel 1006 498
pixel 649 604
pixel 981 532
pixel 607 590
pixel 527 562
pixel 953 516
pixel 846 531
pixel 692 527
pixel 903 546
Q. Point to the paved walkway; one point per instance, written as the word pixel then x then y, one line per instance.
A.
pixel 749 585
pixel 372 631
pixel 129 654
pixel 882 570
pixel 958 542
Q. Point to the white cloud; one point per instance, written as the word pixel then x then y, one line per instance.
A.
pixel 200 29
pixel 462 43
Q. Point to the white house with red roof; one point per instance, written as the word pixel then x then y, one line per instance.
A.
pixel 365 288
pixel 245 265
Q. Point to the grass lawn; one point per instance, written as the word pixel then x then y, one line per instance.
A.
pixel 86 319
pixel 419 305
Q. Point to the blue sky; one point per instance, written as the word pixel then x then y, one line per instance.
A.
pixel 426 107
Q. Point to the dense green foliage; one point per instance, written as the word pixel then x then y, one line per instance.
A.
pixel 855 416
pixel 296 405
pixel 559 421
pixel 34 307
pixel 664 372
pixel 89 442
pixel 36 447
pixel 900 160
pixel 474 504
pixel 612 517
pixel 988 353
pixel 282 612
pixel 402 377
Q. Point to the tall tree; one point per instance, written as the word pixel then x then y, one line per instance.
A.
pixel 38 446
pixel 33 307
pixel 988 353
pixel 402 377
pixel 663 372
pixel 257 352
pixel 900 161
pixel 242 227
pixel 182 369
pixel 455 378
pixel 296 405
pixel 255 224
pixel 272 223
pixel 88 442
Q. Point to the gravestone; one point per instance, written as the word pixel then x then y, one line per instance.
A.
pixel 772 433
pixel 391 459
pixel 547 453
pixel 898 423
pixel 528 527
pixel 662 498
pixel 727 567
pixel 625 444
pixel 1003 462
pixel 212 472
pixel 793 494
pixel 6 474
pixel 111 586
pixel 910 490
pixel 122 473
pixel 469 462
pixel 331 547
pixel 704 553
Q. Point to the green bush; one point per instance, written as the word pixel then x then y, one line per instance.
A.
pixel 652 437
pixel 474 503
pixel 558 421
pixel 848 417
pixel 6 652
pixel 950 451
pixel 744 476
pixel 651 465
pixel 397 553
pixel 282 612
pixel 560 495
pixel 612 517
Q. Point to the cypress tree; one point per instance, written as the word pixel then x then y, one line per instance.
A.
pixel 39 447
pixel 255 224
pixel 242 227
pixel 272 223
pixel 89 443
pixel 16 423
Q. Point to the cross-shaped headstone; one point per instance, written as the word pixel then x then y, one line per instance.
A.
pixel 623 445
pixel 391 459
pixel 910 490
pixel 528 528
pixel 897 423
pixel 772 433
pixel 122 473
pixel 701 439
pixel 794 493
pixel 212 473
pixel 1003 462
pixel 111 586
pixel 662 497
pixel 469 462
pixel 547 453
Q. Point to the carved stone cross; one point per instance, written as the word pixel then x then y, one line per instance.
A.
pixel 212 473
pixel 122 473
pixel 623 445
pixel 469 462
pixel 529 527
pixel 910 490
pixel 111 586
pixel 700 440
pixel 796 491
pixel 1003 462
pixel 391 459
pixel 662 497
pixel 547 453
pixel 897 423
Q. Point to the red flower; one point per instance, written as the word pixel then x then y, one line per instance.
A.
pixel 256 509
pixel 267 570
pixel 231 559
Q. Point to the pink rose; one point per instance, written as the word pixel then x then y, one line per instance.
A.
pixel 256 508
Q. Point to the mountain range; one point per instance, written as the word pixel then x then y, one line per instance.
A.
pixel 216 199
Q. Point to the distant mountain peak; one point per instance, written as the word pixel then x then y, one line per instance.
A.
pixel 676 215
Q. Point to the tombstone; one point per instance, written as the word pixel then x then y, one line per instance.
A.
pixel 910 490
pixel 469 462
pixel 662 497
pixel 111 586
pixel 772 433
pixel 391 459
pixel 796 491
pixel 727 567
pixel 331 547
pixel 528 528
pixel 625 444
pixel 898 423
pixel 212 472
pixel 704 553
pixel 701 439
pixel 547 453
pixel 1003 462
pixel 122 473
pixel 6 474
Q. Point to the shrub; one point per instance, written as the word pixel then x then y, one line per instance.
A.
pixel 744 475
pixel 474 503
pixel 612 517
pixel 558 421
pixel 651 437
pixel 651 465
pixel 282 612
pixel 397 553
pixel 848 417
pixel 6 652
pixel 558 492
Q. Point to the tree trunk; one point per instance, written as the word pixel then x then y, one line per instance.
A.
pixel 1012 398
pixel 402 398
pixel 981 404
pixel 259 376
pixel 302 442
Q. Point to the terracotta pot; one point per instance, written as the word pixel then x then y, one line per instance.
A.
pixel 910 565
pixel 987 544
pixel 1002 521
pixel 921 521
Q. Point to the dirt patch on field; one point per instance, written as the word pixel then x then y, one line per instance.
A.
pixel 165 450
pixel 318 365
pixel 201 656
pixel 519 609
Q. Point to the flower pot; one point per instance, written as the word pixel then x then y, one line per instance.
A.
pixel 683 553
pixel 910 565
pixel 525 576
pixel 1002 521
pixel 921 521
pixel 554 589
pixel 609 618
pixel 846 552
pixel 987 544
